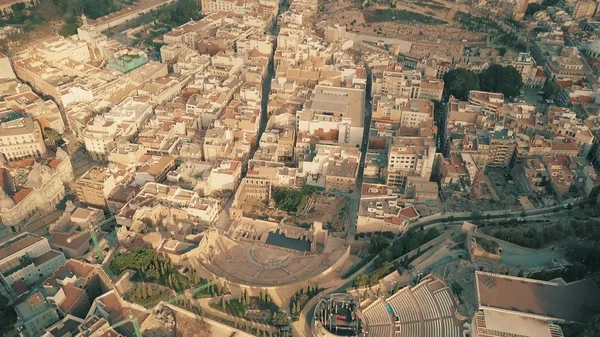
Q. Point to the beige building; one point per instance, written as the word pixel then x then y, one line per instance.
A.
pixel 334 115
pixel 489 101
pixel 94 186
pixel 410 113
pixel 584 9
pixel 409 157
pixel 20 137
pixel 333 167
pixel 411 84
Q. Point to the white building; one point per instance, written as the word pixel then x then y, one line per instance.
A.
pixel 100 137
pixel 334 115
pixel 60 49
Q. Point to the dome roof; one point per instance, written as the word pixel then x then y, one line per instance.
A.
pixel 254 53
pixel 38 175
pixel 5 201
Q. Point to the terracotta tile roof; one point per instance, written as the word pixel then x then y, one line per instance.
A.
pixel 22 194
pixel 409 212
pixel 19 288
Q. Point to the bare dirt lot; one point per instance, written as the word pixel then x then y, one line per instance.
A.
pixel 330 210
pixel 429 23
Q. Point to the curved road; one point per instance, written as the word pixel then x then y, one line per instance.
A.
pixel 302 327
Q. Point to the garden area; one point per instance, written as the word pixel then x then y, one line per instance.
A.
pixel 489 246
pixel 301 298
pixel 153 268
pixel 388 250
pixel 292 200
pixel 255 308
pixel 399 15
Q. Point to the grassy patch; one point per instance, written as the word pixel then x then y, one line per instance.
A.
pixel 400 15
pixel 150 267
pixel 292 200
pixel 489 246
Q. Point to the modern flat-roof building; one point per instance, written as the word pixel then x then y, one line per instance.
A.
pixel 94 186
pixel 35 314
pixel 515 306
pixel 409 157
pixel 334 115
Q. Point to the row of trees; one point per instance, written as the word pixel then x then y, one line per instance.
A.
pixel 301 297
pixel 389 251
pixel 506 80
pixel 533 8
pixel 150 267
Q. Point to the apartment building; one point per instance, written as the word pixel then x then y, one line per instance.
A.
pixel 525 65
pixel 409 113
pixel 334 115
pixel 212 6
pixel 224 176
pixel 94 186
pixel 409 83
pixel 560 173
pixel 74 285
pixel 559 61
pixel 41 76
pixel 332 167
pixel 59 49
pixel 489 101
pixel 34 315
pixel 20 137
pixel 500 147
pixel 100 137
pixel 531 175
pixel 409 156
pixel 25 260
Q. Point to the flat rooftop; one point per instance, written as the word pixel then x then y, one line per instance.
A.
pixel 570 302
pixel 346 102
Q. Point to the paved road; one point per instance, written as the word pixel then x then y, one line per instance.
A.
pixel 302 328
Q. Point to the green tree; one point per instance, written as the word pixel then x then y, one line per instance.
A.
pixel 458 83
pixel 70 26
pixel 184 11
pixel 362 280
pixel 52 136
pixel 506 80
pixel 533 8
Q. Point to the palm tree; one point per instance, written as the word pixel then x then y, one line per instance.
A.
pixel 52 136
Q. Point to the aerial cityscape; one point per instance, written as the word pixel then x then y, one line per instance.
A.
pixel 299 168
